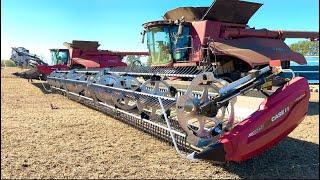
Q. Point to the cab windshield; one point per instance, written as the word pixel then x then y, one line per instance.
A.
pixel 59 57
pixel 163 46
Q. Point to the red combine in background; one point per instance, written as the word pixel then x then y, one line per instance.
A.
pixel 84 54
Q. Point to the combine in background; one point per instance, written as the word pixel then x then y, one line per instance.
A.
pixel 80 55
pixel 22 58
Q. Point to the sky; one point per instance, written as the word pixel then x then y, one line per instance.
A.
pixel 39 25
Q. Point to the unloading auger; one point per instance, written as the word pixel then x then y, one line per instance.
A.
pixel 199 121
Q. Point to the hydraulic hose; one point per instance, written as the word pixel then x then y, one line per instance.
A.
pixel 47 90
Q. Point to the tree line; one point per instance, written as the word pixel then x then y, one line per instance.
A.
pixel 306 48
pixel 8 63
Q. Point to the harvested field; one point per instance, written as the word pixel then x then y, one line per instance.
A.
pixel 74 141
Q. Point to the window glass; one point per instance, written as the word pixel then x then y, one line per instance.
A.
pixel 182 45
pixel 159 45
pixel 59 57
pixel 164 47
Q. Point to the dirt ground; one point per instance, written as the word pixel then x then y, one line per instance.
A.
pixel 77 142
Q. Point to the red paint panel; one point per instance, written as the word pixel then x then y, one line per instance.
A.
pixel 43 69
pixel 278 116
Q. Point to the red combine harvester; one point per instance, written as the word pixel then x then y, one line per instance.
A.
pixel 218 35
pixel 85 55
pixel 208 120
pixel 79 55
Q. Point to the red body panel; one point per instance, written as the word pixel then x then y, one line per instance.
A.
pixel 276 117
pixel 258 51
pixel 46 70
pixel 96 59
pixel 202 32
pixel 86 54
pixel 264 33
pixel 265 43
pixel 99 62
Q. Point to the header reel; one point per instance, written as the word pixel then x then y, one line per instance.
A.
pixel 200 118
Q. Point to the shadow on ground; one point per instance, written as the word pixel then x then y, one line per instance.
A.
pixel 291 158
pixel 313 108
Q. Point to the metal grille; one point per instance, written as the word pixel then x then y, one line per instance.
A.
pixel 190 72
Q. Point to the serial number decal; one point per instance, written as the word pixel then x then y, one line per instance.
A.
pixel 300 97
pixel 279 49
pixel 256 131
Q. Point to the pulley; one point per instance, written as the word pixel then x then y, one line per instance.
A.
pixel 149 107
pixel 125 100
pixel 102 94
pixel 75 87
pixel 203 130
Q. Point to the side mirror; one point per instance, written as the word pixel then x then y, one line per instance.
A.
pixel 143 34
pixel 180 30
pixel 179 33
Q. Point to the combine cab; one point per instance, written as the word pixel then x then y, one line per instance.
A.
pixel 218 36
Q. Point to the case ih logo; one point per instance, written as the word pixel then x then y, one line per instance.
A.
pixel 280 114
pixel 274 118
